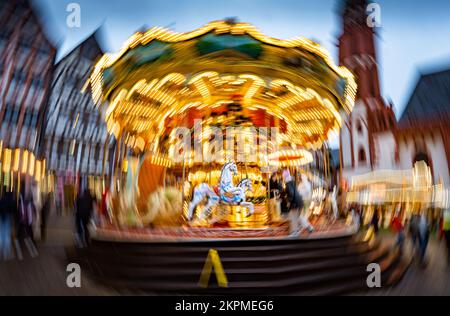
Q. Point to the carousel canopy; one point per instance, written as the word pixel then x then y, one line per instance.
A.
pixel 159 75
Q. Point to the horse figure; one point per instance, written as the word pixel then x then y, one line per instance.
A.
pixel 225 193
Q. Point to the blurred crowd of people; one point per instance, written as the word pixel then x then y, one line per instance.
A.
pixel 22 220
pixel 287 201
pixel 305 203
pixel 18 218
pixel 416 226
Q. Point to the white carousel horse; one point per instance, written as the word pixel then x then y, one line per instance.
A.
pixel 225 193
pixel 214 199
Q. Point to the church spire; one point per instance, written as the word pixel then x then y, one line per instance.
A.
pixel 357 48
pixel 371 115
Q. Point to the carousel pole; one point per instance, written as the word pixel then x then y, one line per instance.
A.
pixel 122 155
pixel 325 162
pixel 115 164
pixel 164 178
pixel 269 210
pixel 141 161
pixel 183 177
pixel 269 213
pixel 105 158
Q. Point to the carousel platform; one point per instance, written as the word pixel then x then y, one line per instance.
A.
pixel 327 262
pixel 278 230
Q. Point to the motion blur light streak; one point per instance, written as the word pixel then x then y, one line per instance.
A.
pixel 207 148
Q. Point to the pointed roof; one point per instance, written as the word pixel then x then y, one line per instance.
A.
pixel 33 14
pixel 430 99
pixel 90 47
pixel 39 16
pixel 345 5
pixel 355 12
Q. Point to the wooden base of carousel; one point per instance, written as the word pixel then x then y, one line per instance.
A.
pixel 331 260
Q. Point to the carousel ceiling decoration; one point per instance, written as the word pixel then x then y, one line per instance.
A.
pixel 290 157
pixel 160 75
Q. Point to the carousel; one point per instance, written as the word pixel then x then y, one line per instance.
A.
pixel 206 123
pixel 203 119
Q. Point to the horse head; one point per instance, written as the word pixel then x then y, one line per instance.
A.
pixel 233 168
pixel 230 167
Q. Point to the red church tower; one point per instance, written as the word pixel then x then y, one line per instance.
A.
pixel 357 51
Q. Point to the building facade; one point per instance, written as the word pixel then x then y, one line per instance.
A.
pixel 26 68
pixel 422 131
pixel 49 129
pixel 372 139
pixel 77 145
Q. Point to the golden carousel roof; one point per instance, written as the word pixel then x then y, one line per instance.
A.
pixel 160 74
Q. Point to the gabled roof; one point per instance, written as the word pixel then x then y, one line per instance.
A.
pixel 39 19
pixel 33 15
pixel 344 5
pixel 89 48
pixel 430 100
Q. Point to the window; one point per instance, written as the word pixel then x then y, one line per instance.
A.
pixel 361 156
pixel 60 147
pixel 97 152
pixel 34 120
pixel 421 156
pixel 359 126
pixel 8 113
pixel 27 119
pixel 37 81
pixel 15 116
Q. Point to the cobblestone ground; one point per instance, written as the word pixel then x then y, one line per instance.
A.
pixel 46 274
pixel 433 279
